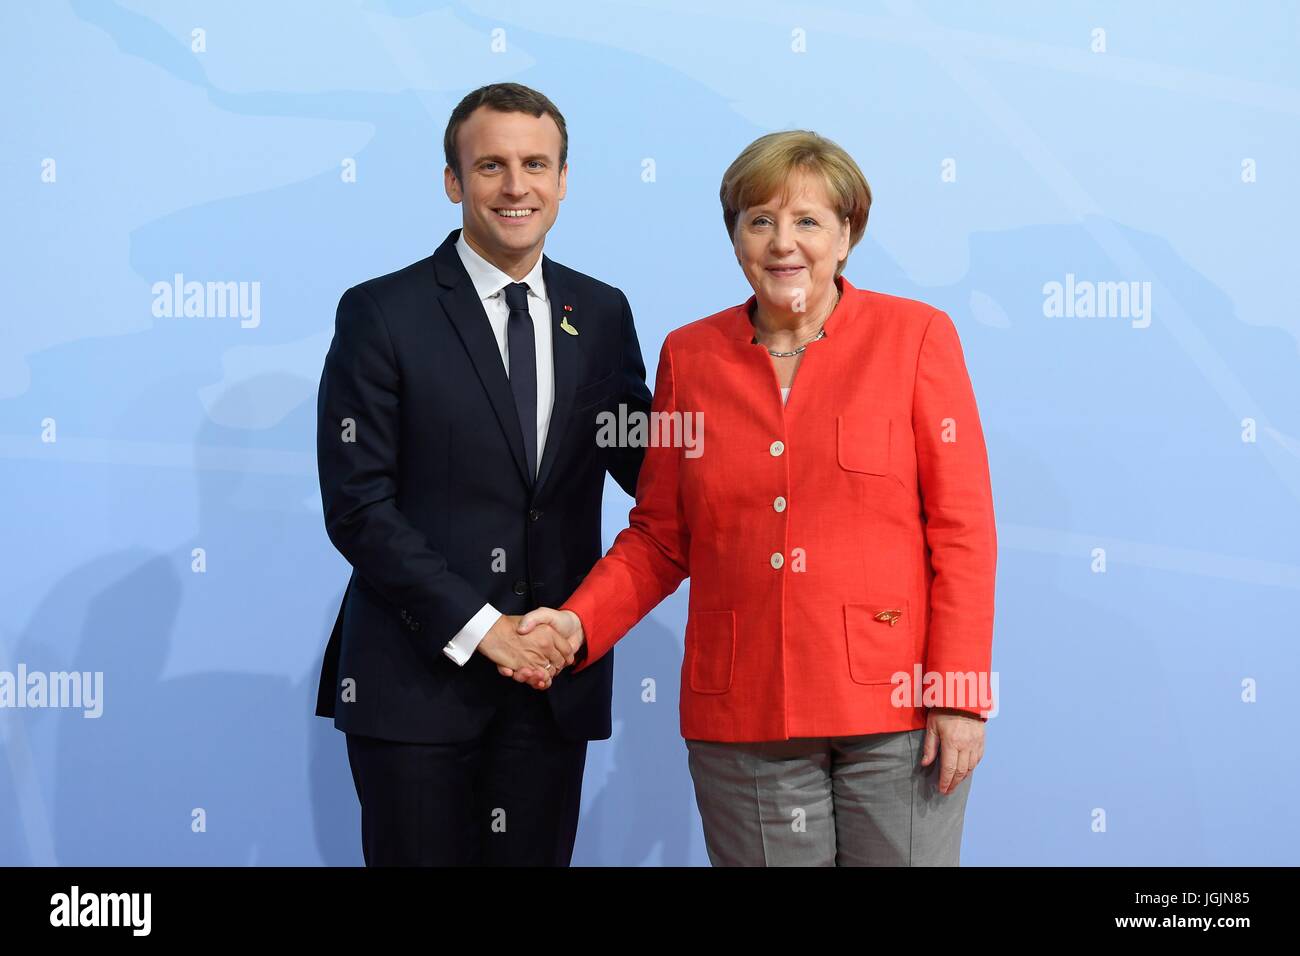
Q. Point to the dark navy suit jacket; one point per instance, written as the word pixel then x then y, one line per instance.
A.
pixel 426 493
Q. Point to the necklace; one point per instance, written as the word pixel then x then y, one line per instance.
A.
pixel 821 334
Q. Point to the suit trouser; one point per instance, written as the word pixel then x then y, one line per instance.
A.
pixel 507 798
pixel 826 801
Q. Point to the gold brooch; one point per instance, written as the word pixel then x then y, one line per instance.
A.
pixel 891 616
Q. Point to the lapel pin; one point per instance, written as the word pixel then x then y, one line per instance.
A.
pixel 564 324
pixel 891 616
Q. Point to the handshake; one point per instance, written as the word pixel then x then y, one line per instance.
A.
pixel 533 648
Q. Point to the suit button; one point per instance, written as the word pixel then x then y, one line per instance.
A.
pixel 534 515
pixel 779 504
pixel 776 448
pixel 777 560
pixel 521 587
pixel 415 625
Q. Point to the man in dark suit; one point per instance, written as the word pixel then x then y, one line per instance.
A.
pixel 462 480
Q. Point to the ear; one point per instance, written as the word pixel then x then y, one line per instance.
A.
pixel 564 181
pixel 452 185
pixel 843 245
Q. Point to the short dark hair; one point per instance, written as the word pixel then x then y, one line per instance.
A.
pixel 504 98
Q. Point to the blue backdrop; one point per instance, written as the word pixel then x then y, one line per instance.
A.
pixel 162 520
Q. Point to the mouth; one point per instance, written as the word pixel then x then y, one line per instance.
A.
pixel 514 213
pixel 784 272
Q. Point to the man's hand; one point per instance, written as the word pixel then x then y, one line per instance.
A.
pixel 543 651
pixel 962 739
pixel 565 627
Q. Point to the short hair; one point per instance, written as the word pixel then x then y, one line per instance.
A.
pixel 504 98
pixel 764 167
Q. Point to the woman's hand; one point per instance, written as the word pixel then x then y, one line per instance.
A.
pixel 566 624
pixel 960 738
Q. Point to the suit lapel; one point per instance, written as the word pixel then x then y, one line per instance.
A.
pixel 564 351
pixel 464 309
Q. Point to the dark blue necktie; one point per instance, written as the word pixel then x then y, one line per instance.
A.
pixel 523 367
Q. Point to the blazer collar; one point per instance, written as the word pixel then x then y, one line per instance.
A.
pixel 489 280
pixel 464 309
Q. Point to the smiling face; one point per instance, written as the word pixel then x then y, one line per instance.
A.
pixel 792 242
pixel 511 185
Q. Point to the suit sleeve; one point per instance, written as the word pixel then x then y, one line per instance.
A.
pixel 957 502
pixel 625 462
pixel 357 435
pixel 649 559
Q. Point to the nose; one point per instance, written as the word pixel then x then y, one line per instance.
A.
pixel 782 242
pixel 514 183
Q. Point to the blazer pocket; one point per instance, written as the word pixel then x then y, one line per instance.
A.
pixel 880 640
pixel 862 443
pixel 710 650
pixel 593 392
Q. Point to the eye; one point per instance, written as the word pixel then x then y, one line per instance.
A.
pixel 537 163
pixel 808 219
pixel 760 220
pixel 488 166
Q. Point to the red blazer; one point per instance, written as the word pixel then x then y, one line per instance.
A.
pixel 831 543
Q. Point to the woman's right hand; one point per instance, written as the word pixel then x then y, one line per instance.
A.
pixel 565 623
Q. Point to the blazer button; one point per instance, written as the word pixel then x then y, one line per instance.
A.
pixel 777 559
pixel 776 448
pixel 779 504
pixel 415 625
pixel 534 515
pixel 521 587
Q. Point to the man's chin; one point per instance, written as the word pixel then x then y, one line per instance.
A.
pixel 513 237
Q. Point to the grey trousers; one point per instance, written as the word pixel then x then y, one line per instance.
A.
pixel 826 801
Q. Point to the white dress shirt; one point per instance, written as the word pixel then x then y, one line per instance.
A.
pixel 489 283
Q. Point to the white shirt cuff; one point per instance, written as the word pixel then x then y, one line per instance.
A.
pixel 461 647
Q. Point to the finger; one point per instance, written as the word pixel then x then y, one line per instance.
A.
pixel 931 746
pixel 554 654
pixel 963 768
pixel 947 769
pixel 534 657
pixel 545 659
pixel 963 761
pixel 562 648
pixel 504 671
pixel 537 679
pixel 542 615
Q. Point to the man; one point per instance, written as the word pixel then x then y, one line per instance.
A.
pixel 462 480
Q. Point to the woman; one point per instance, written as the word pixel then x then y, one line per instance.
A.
pixel 838 531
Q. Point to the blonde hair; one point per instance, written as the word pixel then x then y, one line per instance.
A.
pixel 764 167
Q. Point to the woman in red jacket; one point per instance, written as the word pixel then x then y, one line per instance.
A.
pixel 834 514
